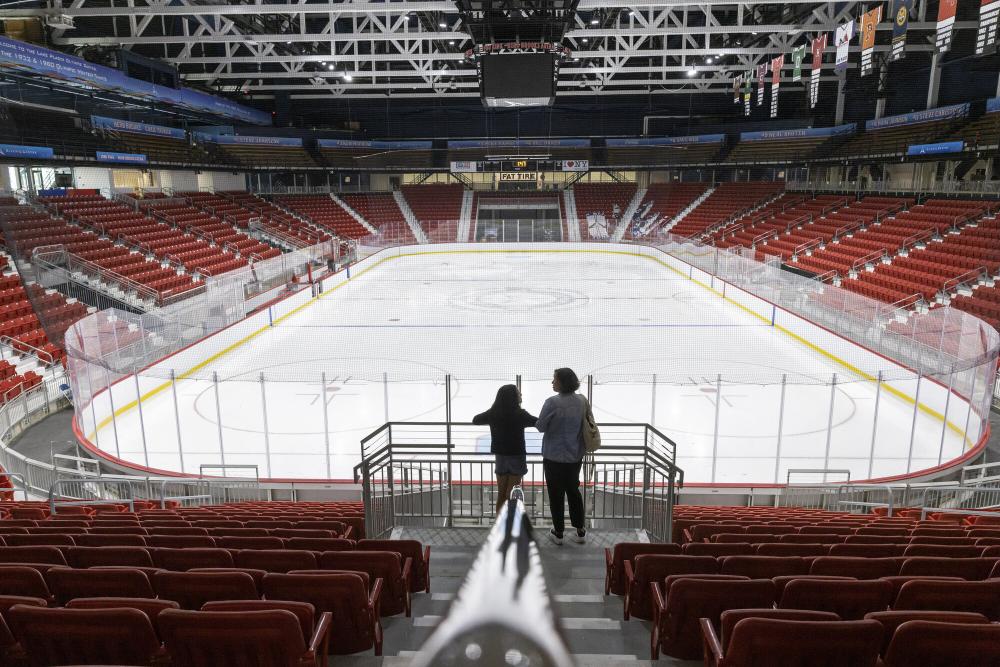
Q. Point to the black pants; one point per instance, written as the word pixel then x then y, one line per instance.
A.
pixel 563 483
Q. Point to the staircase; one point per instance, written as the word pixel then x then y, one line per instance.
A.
pixel 572 220
pixel 465 217
pixel 629 215
pixel 410 217
pixel 354 214
pixel 692 206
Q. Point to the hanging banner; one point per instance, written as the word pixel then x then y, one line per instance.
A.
pixel 986 38
pixel 818 46
pixel 747 91
pixel 761 75
pixel 737 80
pixel 26 152
pixel 845 33
pixel 776 66
pixel 945 24
pixel 798 55
pixel 123 158
pixel 869 24
pixel 900 24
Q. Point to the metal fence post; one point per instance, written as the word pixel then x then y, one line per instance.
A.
pixel 652 407
pixel 114 419
pixel 142 421
pixel 968 415
pixel 177 417
pixel 385 394
pixel 871 451
pixel 326 423
pixel 781 419
pixel 715 431
pixel 267 437
pixel 447 410
pixel 913 425
pixel 829 424
pixel 218 416
pixel 93 410
pixel 944 418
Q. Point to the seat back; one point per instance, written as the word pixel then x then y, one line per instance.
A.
pixel 96 556
pixel 891 620
pixel 863 550
pixel 973 569
pixel 943 551
pixel 150 607
pixel 67 584
pixel 792 549
pixel 412 549
pixel 25 581
pixel 55 540
pixel 982 597
pixel 731 617
pixel 303 611
pixel 343 594
pixel 859 568
pixel 763 567
pixel 276 560
pixel 193 589
pixel 39 554
pixel 59 636
pixel 376 564
pixel 98 540
pixel 850 600
pixel 718 549
pixel 181 541
pixel 273 543
pixel 180 560
pixel 934 644
pixel 320 544
pixel 771 641
pixel 269 638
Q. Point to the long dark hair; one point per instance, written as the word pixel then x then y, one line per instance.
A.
pixel 507 402
pixel 568 381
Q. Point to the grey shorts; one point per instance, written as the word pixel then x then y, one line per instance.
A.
pixel 511 464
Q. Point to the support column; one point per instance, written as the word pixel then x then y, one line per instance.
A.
pixel 934 85
pixel 841 89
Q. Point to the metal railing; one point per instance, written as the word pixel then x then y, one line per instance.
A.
pixel 127 490
pixel 441 474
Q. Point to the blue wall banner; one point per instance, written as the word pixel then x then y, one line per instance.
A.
pixel 934 149
pixel 520 143
pixel 666 141
pixel 118 125
pixel 239 139
pixel 73 71
pixel 381 145
pixel 804 133
pixel 121 158
pixel 993 105
pixel 29 152
pixel 941 113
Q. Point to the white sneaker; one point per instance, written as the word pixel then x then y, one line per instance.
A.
pixel 580 539
pixel 555 538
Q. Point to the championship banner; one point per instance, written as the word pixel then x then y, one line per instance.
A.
pixel 869 24
pixel 845 33
pixel 747 91
pixel 986 38
pixel 945 24
pixel 776 66
pixel 818 46
pixel 737 80
pixel 761 75
pixel 900 24
pixel 798 55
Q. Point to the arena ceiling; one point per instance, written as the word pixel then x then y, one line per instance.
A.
pixel 357 49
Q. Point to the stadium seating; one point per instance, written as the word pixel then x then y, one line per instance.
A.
pixel 437 207
pixel 610 200
pixel 381 211
pixel 725 205
pixel 325 213
pixel 661 204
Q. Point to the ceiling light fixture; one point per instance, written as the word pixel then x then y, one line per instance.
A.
pixel 692 71
pixel 348 77
pixel 442 25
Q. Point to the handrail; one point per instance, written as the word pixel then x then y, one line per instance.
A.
pixel 19 347
pixel 59 483
pixel 864 260
pixel 972 275
pixel 13 476
pixel 846 229
pixel 806 247
pixel 766 236
pixel 828 276
pixel 503 605
pixel 914 240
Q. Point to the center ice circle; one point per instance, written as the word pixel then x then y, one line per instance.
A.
pixel 519 299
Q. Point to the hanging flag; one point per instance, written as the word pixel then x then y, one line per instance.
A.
pixel 945 24
pixel 747 93
pixel 900 23
pixel 761 74
pixel 869 24
pixel 776 66
pixel 845 33
pixel 737 80
pixel 986 39
pixel 818 46
pixel 798 55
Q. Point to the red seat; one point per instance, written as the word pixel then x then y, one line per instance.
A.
pixel 187 559
pixel 614 561
pixel 67 584
pixel 11 652
pixel 256 575
pixel 419 555
pixel 269 638
pixel 867 550
pixel 317 630
pixel 859 568
pixel 356 625
pixel 181 541
pixel 320 544
pixel 97 556
pixel 151 607
pixel 763 567
pixel 276 560
pixel 891 620
pixel 982 597
pixel 237 543
pixel 850 600
pixel 772 641
pixel 942 551
pixel 808 551
pixel 92 540
pixel 931 644
pixel 55 540
pixel 385 565
pixel 84 636
pixel 23 581
pixel 649 568
pixel 729 619
pixel 973 569
pixel 193 589
pixel 718 549
pixel 784 580
pixel 677 610
pixel 41 554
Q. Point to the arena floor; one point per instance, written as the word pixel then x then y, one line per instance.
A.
pixel 655 342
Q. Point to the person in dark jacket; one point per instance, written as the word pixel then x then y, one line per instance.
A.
pixel 507 420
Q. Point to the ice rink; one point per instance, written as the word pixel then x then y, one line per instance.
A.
pixel 743 400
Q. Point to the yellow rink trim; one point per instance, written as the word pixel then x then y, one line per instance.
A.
pixel 229 348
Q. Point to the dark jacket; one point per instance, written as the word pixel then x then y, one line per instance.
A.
pixel 506 431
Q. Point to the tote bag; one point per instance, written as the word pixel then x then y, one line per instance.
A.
pixel 591 434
